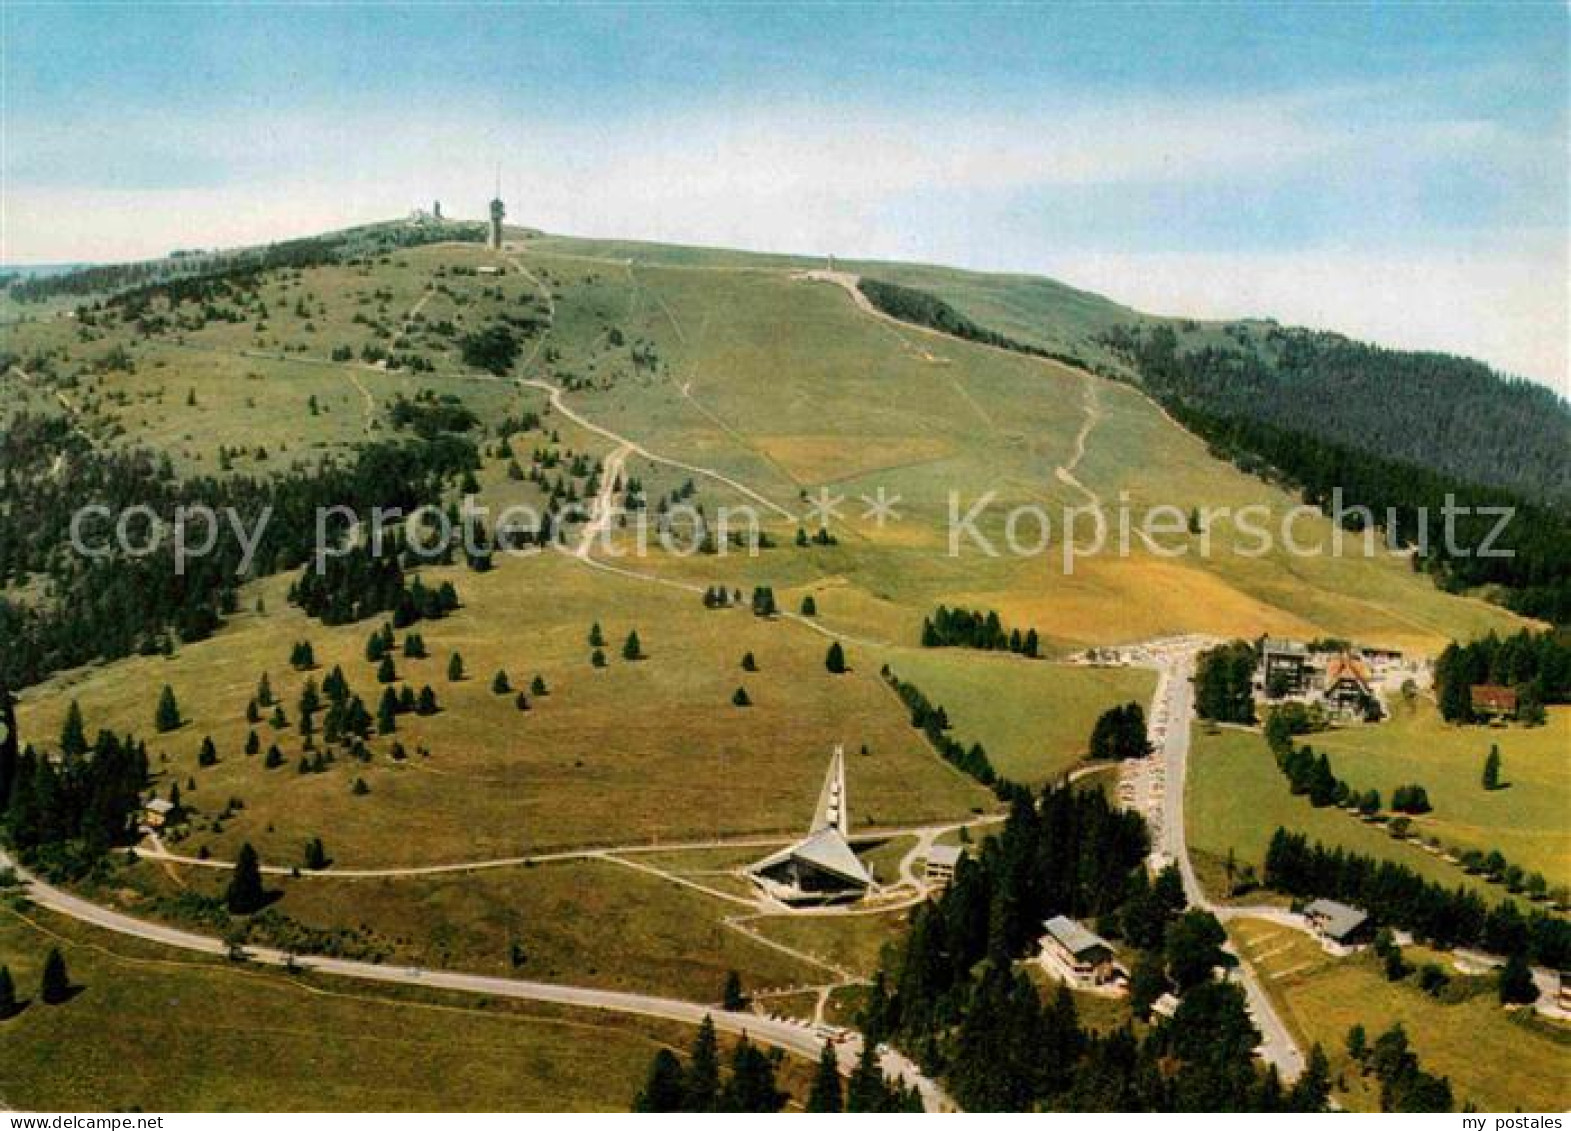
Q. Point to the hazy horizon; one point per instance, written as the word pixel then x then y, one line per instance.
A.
pixel 1397 175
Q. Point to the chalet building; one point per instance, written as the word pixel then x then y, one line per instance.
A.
pixel 1491 701
pixel 1347 684
pixel 822 867
pixel 1077 956
pixel 942 860
pixel 1339 922
pixel 1285 667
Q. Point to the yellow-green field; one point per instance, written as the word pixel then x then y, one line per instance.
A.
pixel 154 1030
pixel 1236 797
pixel 1035 718
pixel 586 922
pixel 1496 1060
pixel 1526 820
pixel 635 753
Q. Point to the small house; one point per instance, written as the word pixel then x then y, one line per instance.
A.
pixel 942 860
pixel 1076 955
pixel 155 814
pixel 1347 683
pixel 1491 701
pixel 1339 922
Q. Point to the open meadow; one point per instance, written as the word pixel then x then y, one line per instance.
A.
pixel 1496 1060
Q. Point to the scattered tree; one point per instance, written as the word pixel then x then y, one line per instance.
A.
pixel 245 894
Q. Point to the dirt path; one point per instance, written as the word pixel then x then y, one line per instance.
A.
pixel 638 449
pixel 603 509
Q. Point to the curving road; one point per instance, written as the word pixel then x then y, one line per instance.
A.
pixel 799 1038
pixel 1176 693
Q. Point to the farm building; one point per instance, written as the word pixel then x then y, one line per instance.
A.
pixel 1347 686
pixel 155 814
pixel 1491 701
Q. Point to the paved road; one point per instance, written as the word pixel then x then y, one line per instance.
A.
pixel 795 1037
pixel 1277 1045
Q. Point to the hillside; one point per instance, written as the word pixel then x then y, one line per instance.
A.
pixel 550 753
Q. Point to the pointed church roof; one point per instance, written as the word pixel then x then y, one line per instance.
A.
pixel 831 811
pixel 828 850
pixel 826 846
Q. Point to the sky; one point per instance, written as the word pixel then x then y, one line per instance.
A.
pixel 1398 172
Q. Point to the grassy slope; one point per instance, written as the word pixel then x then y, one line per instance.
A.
pixel 1495 1060
pixel 584 922
pixel 868 404
pixel 1526 821
pixel 1034 718
pixel 158 1031
pixel 633 753
pixel 1237 797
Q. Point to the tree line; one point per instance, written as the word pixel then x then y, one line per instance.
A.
pixel 1537 665
pixel 1451 415
pixel 1396 896
pixel 922 308
pixel 119 605
pixel 954 995
pixel 965 628
pixel 932 720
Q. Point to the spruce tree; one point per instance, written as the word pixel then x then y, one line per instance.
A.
pixel 739 698
pixel 521 701
pixel 703 1070
pixel 631 648
pixel 8 1002
pixel 245 894
pixel 835 660
pixel 500 685
pixel 455 668
pixel 208 755
pixel 827 1093
pixel 167 717
pixel 55 986
pixel 665 1090
pixel 387 712
pixel 597 658
pixel 386 672
pixel 1492 767
pixel 1516 982
pixel 73 734
pixel 749 664
pixel 537 686
pixel 809 606
pixel 316 854
pixel 752 1086
pixel 731 997
pixel 596 636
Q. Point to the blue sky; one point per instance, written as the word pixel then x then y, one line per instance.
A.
pixel 1395 171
